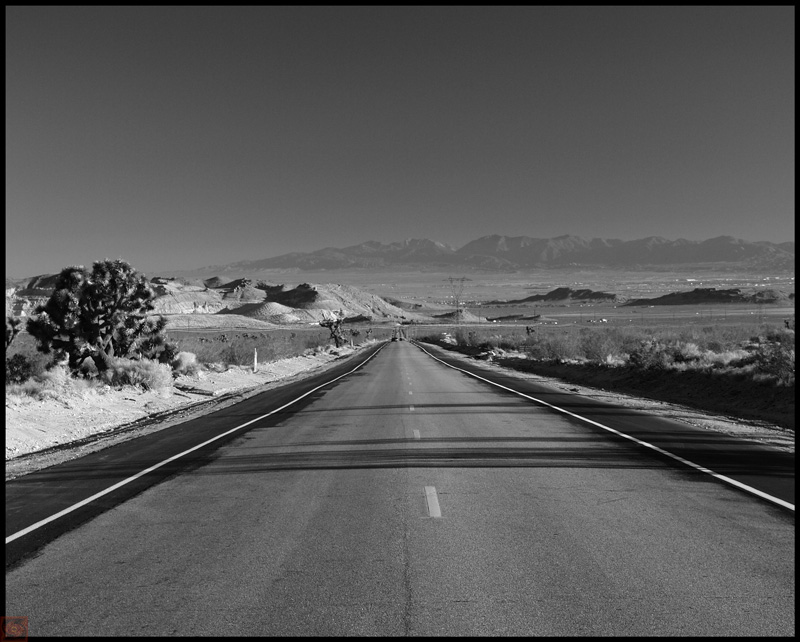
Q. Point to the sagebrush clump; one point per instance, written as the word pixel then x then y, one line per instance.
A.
pixel 143 373
pixel 185 363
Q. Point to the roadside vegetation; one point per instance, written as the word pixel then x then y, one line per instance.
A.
pixel 93 331
pixel 32 373
pixel 743 370
pixel 96 331
pixel 764 352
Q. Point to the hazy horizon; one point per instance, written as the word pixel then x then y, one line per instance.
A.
pixel 182 137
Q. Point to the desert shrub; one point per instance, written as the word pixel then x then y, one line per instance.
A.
pixel 19 368
pixel 33 388
pixel 724 358
pixel 510 343
pixel 556 347
pixel 614 360
pixel 781 336
pixel 51 384
pixel 775 362
pixel 185 363
pixel 682 352
pixel 630 340
pixel 536 350
pixel 145 374
pixel 464 338
pixel 57 377
pixel 650 355
pixel 599 345
pixel 56 383
pixel 564 346
pixel 592 345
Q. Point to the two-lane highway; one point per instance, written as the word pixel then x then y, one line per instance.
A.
pixel 408 498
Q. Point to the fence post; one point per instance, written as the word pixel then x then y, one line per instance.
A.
pixel 255 359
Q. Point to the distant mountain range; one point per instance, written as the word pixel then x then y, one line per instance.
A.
pixel 512 253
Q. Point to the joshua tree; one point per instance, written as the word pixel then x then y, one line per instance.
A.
pixel 335 326
pixel 99 315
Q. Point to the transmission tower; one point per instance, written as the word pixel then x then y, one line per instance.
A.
pixel 457 287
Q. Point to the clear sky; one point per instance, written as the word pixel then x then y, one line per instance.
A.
pixel 176 138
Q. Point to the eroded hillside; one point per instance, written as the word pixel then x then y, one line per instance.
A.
pixel 276 304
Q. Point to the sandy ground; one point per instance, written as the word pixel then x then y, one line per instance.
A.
pixel 44 433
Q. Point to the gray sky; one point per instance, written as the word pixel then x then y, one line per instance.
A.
pixel 176 138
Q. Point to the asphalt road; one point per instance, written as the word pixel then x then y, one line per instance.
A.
pixel 408 498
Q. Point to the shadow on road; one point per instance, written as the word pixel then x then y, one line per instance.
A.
pixel 578 451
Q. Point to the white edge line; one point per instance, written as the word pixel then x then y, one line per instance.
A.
pixel 110 489
pixel 703 469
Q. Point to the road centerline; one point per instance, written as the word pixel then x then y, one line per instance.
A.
pixel 433 502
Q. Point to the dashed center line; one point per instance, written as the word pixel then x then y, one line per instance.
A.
pixel 433 502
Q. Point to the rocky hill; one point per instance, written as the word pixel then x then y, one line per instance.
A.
pixel 566 295
pixel 23 295
pixel 713 295
pixel 276 304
